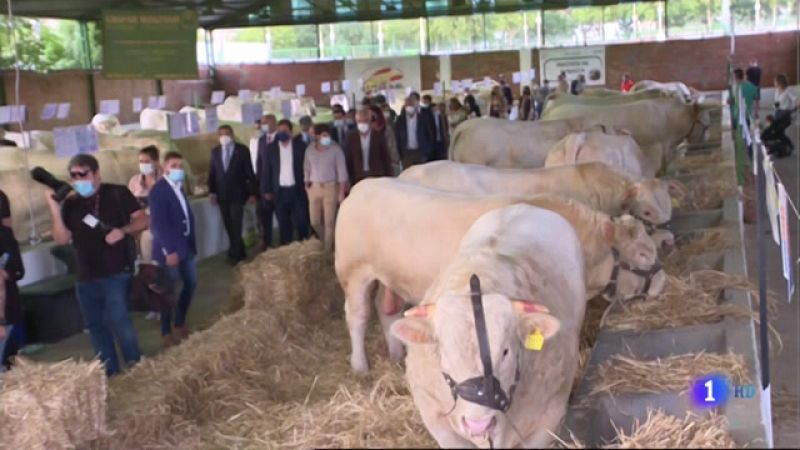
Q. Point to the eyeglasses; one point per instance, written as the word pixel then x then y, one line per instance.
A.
pixel 79 174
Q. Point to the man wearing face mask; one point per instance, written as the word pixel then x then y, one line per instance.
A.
pixel 174 247
pixel 305 137
pixel 440 131
pixel 414 134
pixel 281 181
pixel 339 126
pixel 231 182
pixel 388 113
pixel 100 220
pixel 265 208
pixel 369 156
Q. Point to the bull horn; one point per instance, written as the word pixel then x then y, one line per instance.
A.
pixel 421 311
pixel 526 306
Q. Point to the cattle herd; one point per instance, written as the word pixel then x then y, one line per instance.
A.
pixel 499 248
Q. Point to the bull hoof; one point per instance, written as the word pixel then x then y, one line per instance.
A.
pixel 359 366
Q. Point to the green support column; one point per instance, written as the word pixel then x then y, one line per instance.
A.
pixel 88 66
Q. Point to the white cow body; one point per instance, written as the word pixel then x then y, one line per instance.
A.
pixel 619 151
pixel 401 235
pixel 154 119
pixel 509 143
pixel 518 253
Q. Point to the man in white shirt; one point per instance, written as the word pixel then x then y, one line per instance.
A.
pixel 174 247
pixel 281 179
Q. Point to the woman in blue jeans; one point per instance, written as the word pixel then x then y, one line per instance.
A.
pixel 100 220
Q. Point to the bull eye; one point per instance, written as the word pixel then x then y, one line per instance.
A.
pixel 505 352
pixel 647 213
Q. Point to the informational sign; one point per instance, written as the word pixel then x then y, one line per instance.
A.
pixel 137 104
pixel 369 76
pixel 217 97
pixel 162 102
pixel 49 111
pixel 437 88
pixel 275 92
pixel 183 125
pixel 245 95
pixel 13 114
pixel 772 199
pixel 69 141
pixel 455 86
pixel 109 107
pixel 150 44
pixel 212 120
pixel 587 61
pixel 152 102
pixel 516 77
pixel 300 90
pixel 325 87
pixel 466 83
pixel 252 112
pixel 786 244
pixel 63 110
pixel 346 85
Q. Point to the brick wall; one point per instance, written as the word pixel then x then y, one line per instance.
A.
pixel 124 91
pixel 36 89
pixel 262 77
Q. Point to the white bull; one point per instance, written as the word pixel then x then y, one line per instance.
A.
pixel 618 151
pixel 509 143
pixel 154 119
pixel 529 264
pixel 657 124
pixel 593 183
pixel 401 235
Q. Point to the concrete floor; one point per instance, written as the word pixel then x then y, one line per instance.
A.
pixel 785 364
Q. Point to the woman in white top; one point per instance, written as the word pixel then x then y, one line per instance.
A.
pixel 774 136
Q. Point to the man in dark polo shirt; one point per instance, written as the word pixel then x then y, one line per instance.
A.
pixel 100 220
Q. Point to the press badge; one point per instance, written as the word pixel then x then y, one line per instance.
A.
pixel 90 220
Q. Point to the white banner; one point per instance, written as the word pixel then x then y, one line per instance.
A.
pixel 382 73
pixel 587 61
pixel 772 199
pixel 786 244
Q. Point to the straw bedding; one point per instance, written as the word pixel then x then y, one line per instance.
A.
pixel 679 260
pixel 267 376
pixel 627 375
pixel 707 192
pixel 52 406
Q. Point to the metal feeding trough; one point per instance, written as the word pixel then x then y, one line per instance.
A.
pixel 592 419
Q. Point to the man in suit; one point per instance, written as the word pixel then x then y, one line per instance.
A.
pixel 414 134
pixel 265 208
pixel 441 135
pixel 174 246
pixel 281 181
pixel 339 126
pixel 305 137
pixel 369 155
pixel 231 182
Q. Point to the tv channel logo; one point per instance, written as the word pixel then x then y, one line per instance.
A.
pixel 714 390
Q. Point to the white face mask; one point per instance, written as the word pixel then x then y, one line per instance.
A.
pixel 363 127
pixel 225 140
pixel 387 115
pixel 265 128
pixel 410 110
pixel 146 168
pixel 338 122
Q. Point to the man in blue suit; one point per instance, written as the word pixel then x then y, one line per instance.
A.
pixel 281 181
pixel 174 248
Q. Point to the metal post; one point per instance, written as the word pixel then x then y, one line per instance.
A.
pixel 87 64
pixel 666 19
pixel 540 27
pixel 762 266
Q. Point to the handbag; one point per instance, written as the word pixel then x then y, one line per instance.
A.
pixel 152 289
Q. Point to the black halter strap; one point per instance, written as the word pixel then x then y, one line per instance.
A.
pixel 483 390
pixel 648 274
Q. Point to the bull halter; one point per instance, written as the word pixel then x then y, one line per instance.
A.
pixel 483 390
pixel 705 128
pixel 647 274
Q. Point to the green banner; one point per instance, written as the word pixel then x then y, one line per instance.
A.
pixel 149 44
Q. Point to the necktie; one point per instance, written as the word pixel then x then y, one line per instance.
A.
pixel 227 158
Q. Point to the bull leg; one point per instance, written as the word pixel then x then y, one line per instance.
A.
pixel 357 311
pixel 389 307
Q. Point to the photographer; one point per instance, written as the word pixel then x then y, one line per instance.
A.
pixel 100 220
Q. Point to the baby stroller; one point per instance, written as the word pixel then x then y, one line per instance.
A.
pixel 774 136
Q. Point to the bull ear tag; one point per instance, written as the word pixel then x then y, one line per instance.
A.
pixel 535 340
pixel 675 203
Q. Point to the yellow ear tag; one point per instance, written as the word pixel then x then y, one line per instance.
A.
pixel 675 203
pixel 535 340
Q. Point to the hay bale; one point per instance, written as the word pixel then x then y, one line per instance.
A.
pixel 52 406
pixel 707 192
pixel 661 430
pixel 627 375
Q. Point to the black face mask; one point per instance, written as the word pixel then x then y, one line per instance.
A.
pixel 482 390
